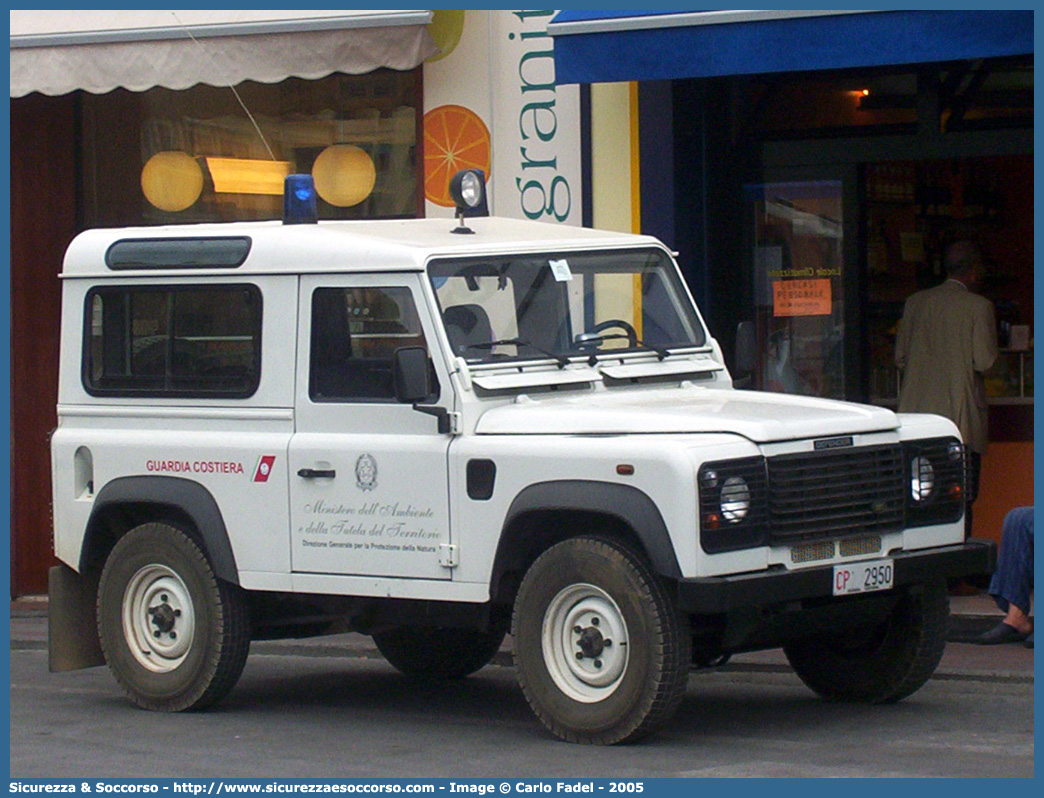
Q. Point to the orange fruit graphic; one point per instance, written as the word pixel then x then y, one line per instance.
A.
pixel 455 138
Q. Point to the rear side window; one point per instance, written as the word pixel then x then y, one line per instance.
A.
pixel 173 341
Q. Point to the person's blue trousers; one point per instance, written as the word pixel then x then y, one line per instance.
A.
pixel 1012 582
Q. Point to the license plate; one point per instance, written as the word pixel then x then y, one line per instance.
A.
pixel 863 577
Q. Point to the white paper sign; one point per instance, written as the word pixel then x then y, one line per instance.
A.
pixel 560 269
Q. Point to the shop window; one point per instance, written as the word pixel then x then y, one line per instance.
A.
pixel 914 210
pixel 173 342
pixel 832 103
pixel 208 154
pixel 966 95
pixel 987 94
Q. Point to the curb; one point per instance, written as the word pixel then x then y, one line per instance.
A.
pixel 759 672
pixel 963 629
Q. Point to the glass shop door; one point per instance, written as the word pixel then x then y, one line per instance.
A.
pixel 804 273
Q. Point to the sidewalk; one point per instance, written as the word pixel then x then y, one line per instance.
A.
pixel 969 616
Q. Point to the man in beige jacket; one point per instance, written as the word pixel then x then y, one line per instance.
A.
pixel 947 338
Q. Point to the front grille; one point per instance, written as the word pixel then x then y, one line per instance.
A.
pixel 859 547
pixel 811 552
pixel 835 493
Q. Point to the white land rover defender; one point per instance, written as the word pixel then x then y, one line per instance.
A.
pixel 437 435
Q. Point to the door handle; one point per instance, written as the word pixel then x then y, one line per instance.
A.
pixel 317 473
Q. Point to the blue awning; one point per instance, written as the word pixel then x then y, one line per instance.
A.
pixel 607 46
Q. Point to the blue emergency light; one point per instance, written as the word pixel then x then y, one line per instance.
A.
pixel 299 205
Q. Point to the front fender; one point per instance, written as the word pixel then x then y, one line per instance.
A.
pixel 625 503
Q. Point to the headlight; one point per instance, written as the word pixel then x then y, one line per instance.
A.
pixel 922 479
pixel 735 500
pixel 936 479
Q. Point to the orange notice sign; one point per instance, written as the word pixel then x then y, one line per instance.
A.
pixel 801 297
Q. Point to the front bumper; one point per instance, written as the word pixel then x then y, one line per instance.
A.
pixel 719 594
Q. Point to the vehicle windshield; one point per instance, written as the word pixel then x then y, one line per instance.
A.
pixel 562 305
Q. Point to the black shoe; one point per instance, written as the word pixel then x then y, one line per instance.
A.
pixel 1001 633
pixel 1028 642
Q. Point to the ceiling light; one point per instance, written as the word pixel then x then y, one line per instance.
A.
pixel 246 176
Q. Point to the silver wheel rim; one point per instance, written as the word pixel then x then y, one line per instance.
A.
pixel 585 643
pixel 159 622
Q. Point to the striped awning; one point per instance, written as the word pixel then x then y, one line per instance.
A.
pixel 98 51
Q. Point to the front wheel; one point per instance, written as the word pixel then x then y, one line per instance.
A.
pixel 601 652
pixel 174 635
pixel 882 664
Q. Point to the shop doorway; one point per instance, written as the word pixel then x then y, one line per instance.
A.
pixel 914 210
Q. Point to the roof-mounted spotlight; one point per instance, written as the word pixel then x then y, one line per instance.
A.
pixel 299 204
pixel 467 189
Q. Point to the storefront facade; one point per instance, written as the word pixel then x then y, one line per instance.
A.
pixel 127 118
pixel 811 168
pixel 154 117
pixel 759 157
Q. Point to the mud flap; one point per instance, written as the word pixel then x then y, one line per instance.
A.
pixel 72 631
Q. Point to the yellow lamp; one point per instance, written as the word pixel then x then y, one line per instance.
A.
pixel 344 175
pixel 172 180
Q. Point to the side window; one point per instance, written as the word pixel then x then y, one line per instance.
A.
pixel 355 332
pixel 176 341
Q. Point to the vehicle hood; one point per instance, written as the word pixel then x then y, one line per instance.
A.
pixel 759 416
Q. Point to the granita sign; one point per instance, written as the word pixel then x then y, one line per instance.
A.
pixel 536 123
pixel 543 190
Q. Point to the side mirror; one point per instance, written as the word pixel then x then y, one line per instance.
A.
pixel 411 374
pixel 746 353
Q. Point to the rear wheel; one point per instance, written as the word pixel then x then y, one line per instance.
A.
pixel 601 652
pixel 883 664
pixel 441 653
pixel 174 635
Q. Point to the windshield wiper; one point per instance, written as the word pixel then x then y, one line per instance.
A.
pixel 661 352
pixel 559 359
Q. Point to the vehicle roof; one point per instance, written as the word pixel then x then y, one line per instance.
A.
pixel 338 246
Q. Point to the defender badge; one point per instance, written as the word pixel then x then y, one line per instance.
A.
pixel 833 443
pixel 366 472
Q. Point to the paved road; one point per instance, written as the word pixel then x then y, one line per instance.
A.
pixel 322 716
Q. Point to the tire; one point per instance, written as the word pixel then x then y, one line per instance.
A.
pixel 438 653
pixel 174 635
pixel 601 652
pixel 882 665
